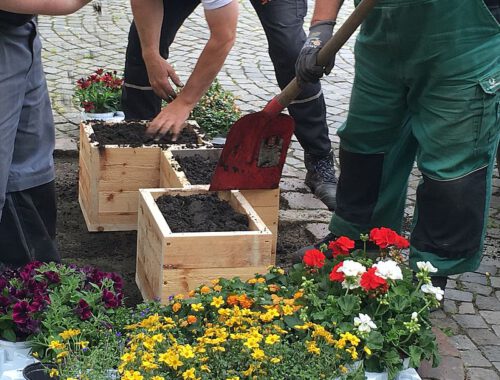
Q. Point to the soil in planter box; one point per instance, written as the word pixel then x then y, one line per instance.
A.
pixel 200 213
pixel 198 169
pixel 133 133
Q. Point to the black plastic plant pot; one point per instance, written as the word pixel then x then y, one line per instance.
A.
pixel 39 371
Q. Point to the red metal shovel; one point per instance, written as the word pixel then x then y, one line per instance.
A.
pixel 257 144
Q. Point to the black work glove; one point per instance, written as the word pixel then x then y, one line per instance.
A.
pixel 306 68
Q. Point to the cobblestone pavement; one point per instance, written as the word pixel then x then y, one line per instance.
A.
pixel 76 45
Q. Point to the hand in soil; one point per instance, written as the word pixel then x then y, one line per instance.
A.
pixel 171 119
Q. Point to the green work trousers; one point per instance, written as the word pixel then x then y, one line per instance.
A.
pixel 426 88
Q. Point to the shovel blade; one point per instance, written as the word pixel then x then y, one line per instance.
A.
pixel 254 153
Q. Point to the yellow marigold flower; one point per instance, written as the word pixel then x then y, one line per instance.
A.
pixel 186 351
pixel 53 372
pixel 215 281
pixel 83 344
pixel 312 348
pixel 252 281
pixel 62 355
pixel 197 307
pixel 192 293
pixel 171 359
pixel 217 288
pixel 276 299
pixel 258 354
pixel 176 307
pixel 353 352
pixel 149 366
pixel 179 297
pixel 275 360
pixel 68 334
pixel 157 378
pixel 232 300
pixel 56 345
pixel 205 368
pixel 158 338
pixel 343 368
pixel 298 294
pixel 233 378
pixel 341 343
pixel 128 357
pixel 191 319
pixel 261 280
pixel 205 289
pixel 287 310
pixel 272 339
pixel 367 350
pixel 249 371
pixel 132 375
pixel 280 271
pixel 273 288
pixel 189 374
pixel 217 302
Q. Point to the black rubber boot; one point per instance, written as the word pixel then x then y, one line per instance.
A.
pixel 320 178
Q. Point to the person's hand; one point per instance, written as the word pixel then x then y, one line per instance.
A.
pixel 307 69
pixel 159 73
pixel 171 119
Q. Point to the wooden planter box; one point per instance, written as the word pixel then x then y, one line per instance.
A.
pixel 110 177
pixel 169 263
pixel 264 202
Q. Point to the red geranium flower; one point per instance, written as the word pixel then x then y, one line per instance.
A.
pixel 314 258
pixel 335 275
pixel 341 246
pixel 370 281
pixel 385 237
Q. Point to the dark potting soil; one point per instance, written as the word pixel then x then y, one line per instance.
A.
pixel 200 213
pixel 198 169
pixel 133 133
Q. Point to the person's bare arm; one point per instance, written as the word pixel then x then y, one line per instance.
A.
pixel 222 23
pixel 325 10
pixel 42 7
pixel 148 18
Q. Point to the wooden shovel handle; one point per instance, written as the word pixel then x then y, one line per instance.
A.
pixel 292 90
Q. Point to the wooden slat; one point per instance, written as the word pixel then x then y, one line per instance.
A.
pixel 124 201
pixel 169 175
pixel 262 198
pixel 183 280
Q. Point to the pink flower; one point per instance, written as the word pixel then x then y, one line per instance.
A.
pixel 83 310
pixel 20 313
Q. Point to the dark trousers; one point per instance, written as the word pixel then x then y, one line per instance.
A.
pixel 283 24
pixel 28 226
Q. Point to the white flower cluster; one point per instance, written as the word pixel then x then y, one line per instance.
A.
pixel 435 290
pixel 364 323
pixel 388 269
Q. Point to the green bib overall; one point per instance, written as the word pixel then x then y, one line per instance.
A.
pixel 427 87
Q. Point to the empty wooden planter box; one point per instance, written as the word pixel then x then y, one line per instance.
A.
pixel 110 177
pixel 169 263
pixel 264 202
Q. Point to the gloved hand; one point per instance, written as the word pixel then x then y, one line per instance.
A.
pixel 306 68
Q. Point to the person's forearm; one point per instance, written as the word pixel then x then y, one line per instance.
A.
pixel 45 7
pixel 326 10
pixel 148 18
pixel 213 55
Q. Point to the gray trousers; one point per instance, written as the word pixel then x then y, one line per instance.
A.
pixel 282 21
pixel 26 147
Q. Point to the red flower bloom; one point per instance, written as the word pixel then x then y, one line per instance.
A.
pixel 335 275
pixel 99 71
pixel 111 301
pixel 314 258
pixel 385 237
pixel 83 310
pixel 341 246
pixel 88 106
pixel 20 313
pixel 370 281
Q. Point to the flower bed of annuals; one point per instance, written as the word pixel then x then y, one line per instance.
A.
pixel 341 312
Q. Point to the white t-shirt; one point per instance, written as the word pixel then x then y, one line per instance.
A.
pixel 214 4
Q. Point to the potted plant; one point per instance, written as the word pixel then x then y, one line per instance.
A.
pixel 99 95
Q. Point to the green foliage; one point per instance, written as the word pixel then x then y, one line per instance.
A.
pixel 216 111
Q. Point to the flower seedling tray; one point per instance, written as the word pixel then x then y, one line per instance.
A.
pixel 264 201
pixel 111 175
pixel 169 263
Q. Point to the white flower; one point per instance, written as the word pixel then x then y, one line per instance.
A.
pixel 388 269
pixel 346 284
pixel 426 266
pixel 414 316
pixel 352 268
pixel 364 323
pixel 430 289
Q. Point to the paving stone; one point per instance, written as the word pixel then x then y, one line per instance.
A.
pixel 497 365
pixel 475 278
pixel 466 308
pixel 292 184
pixel 483 337
pixel 301 201
pixel 492 317
pixel 322 216
pixel 491 352
pixel 450 307
pixel 470 321
pixel 450 368
pixel 458 295
pixel 487 303
pixel 318 230
pixel 496 329
pixel 476 288
pixel 474 358
pixel 463 342
pixel 481 374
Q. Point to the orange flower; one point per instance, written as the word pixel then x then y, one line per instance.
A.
pixel 191 293
pixel 217 288
pixel 298 295
pixel 273 288
pixel 276 299
pixel 205 290
pixel 245 302
pixel 191 319
pixel 232 300
pixel 176 307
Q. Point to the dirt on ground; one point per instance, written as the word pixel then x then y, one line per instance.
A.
pixel 115 251
pixel 198 169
